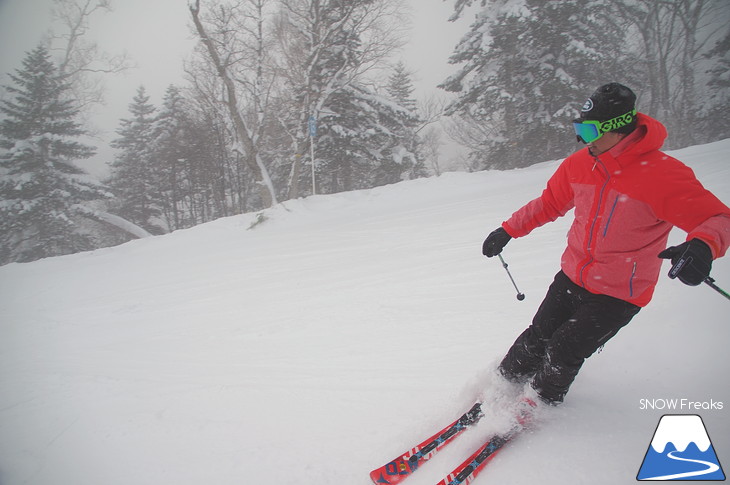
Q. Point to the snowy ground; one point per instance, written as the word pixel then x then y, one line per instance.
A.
pixel 321 343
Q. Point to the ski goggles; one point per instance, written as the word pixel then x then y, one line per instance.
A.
pixel 591 130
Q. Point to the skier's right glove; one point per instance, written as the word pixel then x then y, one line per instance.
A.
pixel 495 242
pixel 691 261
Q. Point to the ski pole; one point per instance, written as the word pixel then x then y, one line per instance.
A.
pixel 711 283
pixel 520 295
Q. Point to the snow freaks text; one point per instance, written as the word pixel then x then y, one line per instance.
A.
pixel 679 404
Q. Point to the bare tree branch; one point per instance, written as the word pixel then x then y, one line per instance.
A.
pixel 245 134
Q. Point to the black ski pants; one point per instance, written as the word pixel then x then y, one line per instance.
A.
pixel 570 325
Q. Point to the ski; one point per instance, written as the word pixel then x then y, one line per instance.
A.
pixel 405 464
pixel 472 466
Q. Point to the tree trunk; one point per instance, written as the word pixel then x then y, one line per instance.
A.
pixel 248 150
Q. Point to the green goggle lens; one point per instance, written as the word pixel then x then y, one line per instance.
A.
pixel 591 130
pixel 587 131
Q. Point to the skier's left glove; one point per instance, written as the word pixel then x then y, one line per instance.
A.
pixel 691 261
pixel 495 242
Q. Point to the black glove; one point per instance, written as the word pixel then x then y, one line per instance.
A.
pixel 495 242
pixel 691 261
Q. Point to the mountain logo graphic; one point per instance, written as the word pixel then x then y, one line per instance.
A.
pixel 681 450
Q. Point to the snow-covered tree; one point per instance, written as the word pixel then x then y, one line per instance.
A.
pixel 134 177
pixel 364 140
pixel 713 120
pixel 400 87
pixel 328 47
pixel 400 90
pixel 193 171
pixel 679 45
pixel 234 42
pixel 221 182
pixel 40 187
pixel 171 154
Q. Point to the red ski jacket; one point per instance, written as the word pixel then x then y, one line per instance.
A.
pixel 626 202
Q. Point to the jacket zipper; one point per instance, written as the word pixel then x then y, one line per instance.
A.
pixel 631 281
pixel 589 243
pixel 610 216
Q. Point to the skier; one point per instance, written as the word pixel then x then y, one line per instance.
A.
pixel 627 197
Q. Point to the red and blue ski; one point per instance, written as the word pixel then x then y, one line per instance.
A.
pixel 404 465
pixel 470 468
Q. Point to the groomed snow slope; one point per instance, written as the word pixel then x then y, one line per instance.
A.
pixel 322 342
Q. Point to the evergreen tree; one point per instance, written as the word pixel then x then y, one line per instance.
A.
pixel 134 178
pixel 400 87
pixel 40 187
pixel 192 169
pixel 171 156
pixel 362 142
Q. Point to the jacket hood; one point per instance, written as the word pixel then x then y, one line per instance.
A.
pixel 654 135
